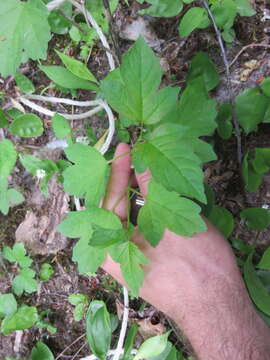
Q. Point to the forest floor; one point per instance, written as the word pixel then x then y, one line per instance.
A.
pixel 222 175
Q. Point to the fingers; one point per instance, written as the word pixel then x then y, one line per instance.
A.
pixel 143 181
pixel 116 197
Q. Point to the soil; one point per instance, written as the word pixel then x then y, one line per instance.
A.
pixel 222 175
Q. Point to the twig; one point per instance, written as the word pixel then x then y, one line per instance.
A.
pixel 69 346
pixel 50 113
pixel 54 4
pixel 77 352
pixel 95 25
pixel 18 341
pixel 267 46
pixel 61 12
pixel 119 348
pixel 110 353
pixel 111 119
pixel 229 81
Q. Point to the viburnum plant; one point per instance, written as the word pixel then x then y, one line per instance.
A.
pixel 172 125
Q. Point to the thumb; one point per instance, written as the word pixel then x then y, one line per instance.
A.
pixel 116 197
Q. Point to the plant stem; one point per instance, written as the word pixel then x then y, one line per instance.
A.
pixel 136 192
pixel 56 100
pixel 118 157
pixel 61 12
pixel 89 18
pixel 119 348
pixel 50 113
pixel 229 81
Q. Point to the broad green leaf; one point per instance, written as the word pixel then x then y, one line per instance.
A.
pixel 60 126
pixel 250 108
pixel 28 125
pixel 224 12
pixel 202 65
pixel 265 86
pixel 25 282
pixel 65 78
pixel 8 157
pixel 132 89
pixel 244 8
pixel 25 31
pixel 80 225
pixel 24 318
pixel 75 34
pixel 102 237
pixel 195 110
pixel 265 260
pixel 170 353
pixel 153 346
pixel 130 258
pixel 24 84
pixel 42 169
pixel 14 197
pixel 4 204
pixel 194 18
pixel 58 23
pixel 98 329
pixel 163 8
pixel 166 210
pixel 76 67
pixel 256 218
pixel 89 162
pixel 76 299
pixel 228 35
pixel 170 164
pixel 81 302
pixel 14 113
pixel 88 258
pixel 41 352
pixel 257 291
pixel 261 161
pixel 32 164
pixel 8 197
pixel 222 219
pixel 8 305
pixel 252 179
pixel 3 119
pixel 46 272
pixel 224 121
pixel 164 354
pixel 241 245
pixel 17 254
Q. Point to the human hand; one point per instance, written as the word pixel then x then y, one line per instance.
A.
pixel 194 280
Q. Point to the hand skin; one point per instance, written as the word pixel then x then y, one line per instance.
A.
pixel 195 281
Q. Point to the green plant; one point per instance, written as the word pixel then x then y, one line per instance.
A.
pixel 81 303
pixel 170 123
pixel 223 11
pixel 24 281
pixel 21 317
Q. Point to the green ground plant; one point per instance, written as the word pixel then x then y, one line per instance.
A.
pixel 169 121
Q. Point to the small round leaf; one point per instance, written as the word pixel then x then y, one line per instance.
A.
pixel 28 125
pixel 256 218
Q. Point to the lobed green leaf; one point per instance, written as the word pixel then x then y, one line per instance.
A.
pixel 166 210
